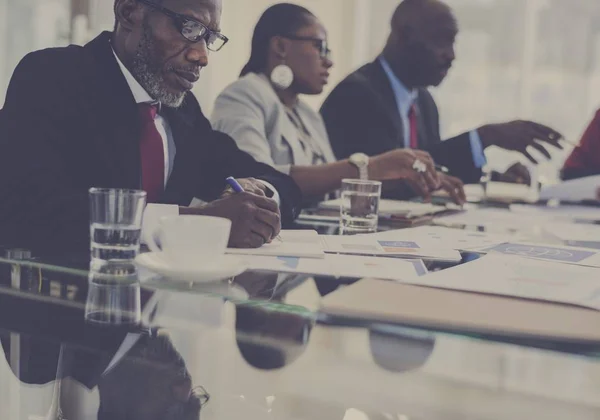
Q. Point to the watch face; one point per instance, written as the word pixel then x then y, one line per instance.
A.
pixel 359 159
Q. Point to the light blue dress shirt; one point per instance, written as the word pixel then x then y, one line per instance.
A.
pixel 405 98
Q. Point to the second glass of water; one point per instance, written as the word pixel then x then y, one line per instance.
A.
pixel 115 223
pixel 360 206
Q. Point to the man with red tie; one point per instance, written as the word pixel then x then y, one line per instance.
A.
pixel 118 113
pixel 386 104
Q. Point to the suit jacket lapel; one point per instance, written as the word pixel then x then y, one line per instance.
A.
pixel 383 87
pixel 117 114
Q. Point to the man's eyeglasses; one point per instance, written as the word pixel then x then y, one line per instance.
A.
pixel 191 29
pixel 321 44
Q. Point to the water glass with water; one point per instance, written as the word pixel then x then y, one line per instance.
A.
pixel 360 206
pixel 115 223
pixel 114 295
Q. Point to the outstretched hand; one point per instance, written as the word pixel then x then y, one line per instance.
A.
pixel 519 135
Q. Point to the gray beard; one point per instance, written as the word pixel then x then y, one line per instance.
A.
pixel 147 71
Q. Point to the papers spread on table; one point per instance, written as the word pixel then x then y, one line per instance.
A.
pixel 567 213
pixel 433 237
pixel 574 231
pixel 523 278
pixel 502 192
pixel 493 220
pixel 576 190
pixel 291 243
pixel 557 254
pixel 371 245
pixel 393 208
pixel 474 193
pixel 341 266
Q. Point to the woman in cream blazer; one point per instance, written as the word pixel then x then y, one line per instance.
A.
pixel 263 113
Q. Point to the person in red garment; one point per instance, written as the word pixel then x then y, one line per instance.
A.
pixel 585 159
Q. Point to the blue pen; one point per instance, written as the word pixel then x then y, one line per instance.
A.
pixel 235 186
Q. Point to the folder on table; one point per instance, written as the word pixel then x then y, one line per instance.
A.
pixel 390 302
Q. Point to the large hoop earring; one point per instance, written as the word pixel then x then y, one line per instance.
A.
pixel 282 77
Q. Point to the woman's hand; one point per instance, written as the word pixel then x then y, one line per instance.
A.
pixel 416 167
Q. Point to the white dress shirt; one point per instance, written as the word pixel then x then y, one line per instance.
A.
pixel 154 212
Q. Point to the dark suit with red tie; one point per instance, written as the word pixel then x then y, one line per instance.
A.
pixel 361 115
pixel 70 122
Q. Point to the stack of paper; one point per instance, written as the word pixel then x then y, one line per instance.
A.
pixel 433 237
pixel 290 243
pixel 494 220
pixel 474 193
pixel 523 278
pixel 408 305
pixel 371 245
pixel 501 192
pixel 566 213
pixel 341 266
pixel 574 232
pixel 576 190
pixel 555 254
pixel 394 208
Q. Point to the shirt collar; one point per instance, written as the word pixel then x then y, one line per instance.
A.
pixel 139 93
pixel 404 97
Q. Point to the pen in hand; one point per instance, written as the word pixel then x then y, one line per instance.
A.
pixel 237 188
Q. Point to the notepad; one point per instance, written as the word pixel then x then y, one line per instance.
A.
pixel 341 266
pixel 371 245
pixel 394 208
pixel 291 243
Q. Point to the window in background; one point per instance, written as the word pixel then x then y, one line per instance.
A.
pixel 530 59
pixel 28 25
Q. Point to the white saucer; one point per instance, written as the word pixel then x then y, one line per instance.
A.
pixel 229 266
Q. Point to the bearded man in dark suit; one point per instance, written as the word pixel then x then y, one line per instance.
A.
pixel 118 113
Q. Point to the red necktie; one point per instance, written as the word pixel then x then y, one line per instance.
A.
pixel 152 153
pixel 412 119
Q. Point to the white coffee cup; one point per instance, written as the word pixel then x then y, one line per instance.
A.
pixel 191 240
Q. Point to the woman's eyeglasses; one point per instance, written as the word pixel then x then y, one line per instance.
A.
pixel 321 44
pixel 191 29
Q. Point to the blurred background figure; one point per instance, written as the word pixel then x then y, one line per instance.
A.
pixel 585 159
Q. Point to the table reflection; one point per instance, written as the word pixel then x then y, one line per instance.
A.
pixel 150 382
pixel 271 338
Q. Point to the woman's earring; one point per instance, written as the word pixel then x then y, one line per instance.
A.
pixel 282 77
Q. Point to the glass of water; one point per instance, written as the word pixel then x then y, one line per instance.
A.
pixel 360 206
pixel 115 224
pixel 114 295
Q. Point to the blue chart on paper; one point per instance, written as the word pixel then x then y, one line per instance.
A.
pixel 544 252
pixel 399 244
pixel 290 262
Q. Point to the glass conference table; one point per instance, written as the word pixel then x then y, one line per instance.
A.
pixel 258 347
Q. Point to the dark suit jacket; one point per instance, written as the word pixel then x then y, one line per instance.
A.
pixel 70 122
pixel 361 115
